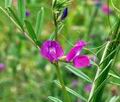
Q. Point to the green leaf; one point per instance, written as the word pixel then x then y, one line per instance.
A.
pixel 71 91
pixel 114 76
pixel 31 31
pixel 115 79
pixel 98 88
pixel 101 73
pixel 114 83
pixel 8 3
pixel 116 5
pixel 114 99
pixel 11 12
pixel 78 73
pixel 54 99
pixel 21 10
pixel 39 21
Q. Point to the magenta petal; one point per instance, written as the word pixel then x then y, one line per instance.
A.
pixel 81 61
pixel 51 50
pixel 2 66
pixel 88 87
pixel 105 8
pixel 81 43
pixel 73 52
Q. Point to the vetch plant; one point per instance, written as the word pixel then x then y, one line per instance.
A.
pixel 74 60
pixel 102 74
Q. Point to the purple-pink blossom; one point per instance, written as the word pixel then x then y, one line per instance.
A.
pixel 81 61
pixel 78 60
pixel 106 9
pixel 74 83
pixel 88 88
pixel 75 50
pixel 27 13
pixel 51 50
pixel 2 66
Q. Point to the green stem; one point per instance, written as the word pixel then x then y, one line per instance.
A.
pixel 111 46
pixel 56 27
pixel 66 96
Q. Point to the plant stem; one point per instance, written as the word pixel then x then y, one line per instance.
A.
pixel 56 27
pixel 110 47
pixel 66 96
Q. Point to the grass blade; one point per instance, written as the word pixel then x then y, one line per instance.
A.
pixel 114 76
pixel 54 99
pixel 8 3
pixel 114 99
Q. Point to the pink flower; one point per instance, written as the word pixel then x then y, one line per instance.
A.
pixel 74 55
pixel 2 66
pixel 81 61
pixel 75 50
pixel 88 87
pixel 51 50
pixel 105 8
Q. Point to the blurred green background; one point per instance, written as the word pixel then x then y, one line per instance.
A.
pixel 27 77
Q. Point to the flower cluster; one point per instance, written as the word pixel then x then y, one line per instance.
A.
pixel 77 59
pixel 53 51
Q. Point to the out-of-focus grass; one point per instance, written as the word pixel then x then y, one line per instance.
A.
pixel 28 77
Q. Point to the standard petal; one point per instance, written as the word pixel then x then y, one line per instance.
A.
pixel 81 61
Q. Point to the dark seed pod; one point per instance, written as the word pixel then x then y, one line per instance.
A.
pixel 65 13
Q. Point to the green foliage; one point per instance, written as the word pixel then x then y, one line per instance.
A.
pixel 78 73
pixel 39 21
pixel 30 30
pixel 21 10
pixel 72 91
pixel 27 77
pixel 8 3
pixel 15 17
pixel 54 99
